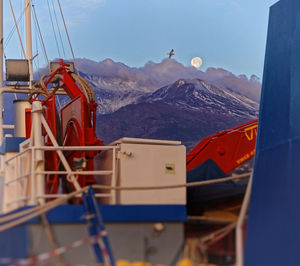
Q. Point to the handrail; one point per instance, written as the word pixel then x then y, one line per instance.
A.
pixel 75 148
pixel 16 179
pixel 29 176
pixel 17 155
pixel 64 148
pixel 95 172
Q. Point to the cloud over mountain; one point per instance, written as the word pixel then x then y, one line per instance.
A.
pixel 168 100
pixel 156 75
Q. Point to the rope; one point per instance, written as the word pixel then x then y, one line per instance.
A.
pixel 40 34
pixel 61 42
pixel 19 214
pixel 84 86
pixel 51 239
pixel 37 64
pixel 196 248
pixel 17 28
pixel 225 232
pixel 53 29
pixel 47 207
pixel 222 232
pixel 88 87
pixel 192 184
pixel 32 213
pixel 67 33
pixel 9 36
pixel 40 87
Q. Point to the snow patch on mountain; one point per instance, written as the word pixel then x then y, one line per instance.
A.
pixel 120 85
pixel 117 85
pixel 199 95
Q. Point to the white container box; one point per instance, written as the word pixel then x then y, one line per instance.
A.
pixel 146 163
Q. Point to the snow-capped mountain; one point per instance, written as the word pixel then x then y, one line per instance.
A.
pixel 114 93
pixel 117 85
pixel 186 110
pixel 198 95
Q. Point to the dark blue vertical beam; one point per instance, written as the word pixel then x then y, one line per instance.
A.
pixel 273 235
pixel 96 228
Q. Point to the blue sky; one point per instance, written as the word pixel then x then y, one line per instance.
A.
pixel 229 34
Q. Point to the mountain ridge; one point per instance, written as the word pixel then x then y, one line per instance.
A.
pixel 187 110
pixel 120 85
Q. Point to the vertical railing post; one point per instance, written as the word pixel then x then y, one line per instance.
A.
pixel 4 207
pixel 113 178
pixel 32 179
pixel 17 183
pixel 38 158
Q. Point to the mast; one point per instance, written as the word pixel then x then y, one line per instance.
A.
pixel 28 38
pixel 1 71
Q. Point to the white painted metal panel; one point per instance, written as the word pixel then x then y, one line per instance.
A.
pixel 146 163
pixel 152 165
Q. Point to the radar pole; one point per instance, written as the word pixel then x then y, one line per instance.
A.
pixel 28 39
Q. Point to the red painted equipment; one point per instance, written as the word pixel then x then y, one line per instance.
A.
pixel 76 128
pixel 228 149
pixel 214 157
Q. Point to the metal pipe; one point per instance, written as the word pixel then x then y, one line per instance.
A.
pixel 32 181
pixel 59 153
pixel 39 161
pixel 114 178
pixel 79 173
pixel 75 148
pixel 16 179
pixel 28 38
pixel 7 161
pixel 239 226
pixel 97 195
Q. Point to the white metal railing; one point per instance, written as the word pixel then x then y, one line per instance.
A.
pixel 20 176
pixel 24 173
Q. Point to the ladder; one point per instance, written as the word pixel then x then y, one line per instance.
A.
pixel 97 229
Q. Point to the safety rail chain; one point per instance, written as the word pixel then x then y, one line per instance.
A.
pixel 20 176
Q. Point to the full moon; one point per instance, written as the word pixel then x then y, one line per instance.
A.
pixel 196 62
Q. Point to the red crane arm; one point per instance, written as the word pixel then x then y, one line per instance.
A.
pixel 228 149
